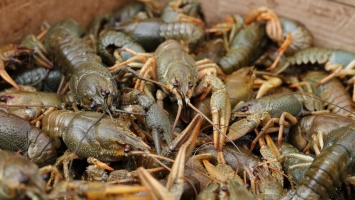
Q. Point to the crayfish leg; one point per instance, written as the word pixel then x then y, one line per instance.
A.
pixel 337 69
pixel 175 5
pixel 175 182
pixel 270 152
pixel 252 15
pixel 156 190
pixel 39 118
pixel 99 164
pixel 6 76
pixel 63 160
pixel 54 172
pixel 185 18
pixel 141 57
pixel 148 68
pixel 42 34
pixel 292 119
pixel 207 66
pixel 273 25
pixel 281 51
pixel 266 86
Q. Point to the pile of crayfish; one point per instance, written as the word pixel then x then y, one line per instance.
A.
pixel 153 103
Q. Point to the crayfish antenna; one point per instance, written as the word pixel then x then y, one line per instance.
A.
pixel 107 110
pixel 177 118
pixel 180 108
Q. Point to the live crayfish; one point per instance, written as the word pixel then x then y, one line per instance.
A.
pixel 278 107
pixel 241 161
pixel 330 167
pixel 246 46
pixel 105 137
pixel 340 62
pixel 313 128
pixel 160 31
pixel 129 10
pixel 40 78
pixel 134 10
pixel 19 178
pixel 213 49
pixel 239 85
pixel 90 83
pixel 114 139
pixel 289 34
pixel 22 179
pixel 30 52
pixel 177 73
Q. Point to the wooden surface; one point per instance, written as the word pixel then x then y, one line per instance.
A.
pixel 20 17
pixel 347 2
pixel 332 22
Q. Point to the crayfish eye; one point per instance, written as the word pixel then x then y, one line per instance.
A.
pixel 176 83
pixel 105 92
pixel 3 99
pixel 127 148
pixel 244 108
pixel 224 188
pixel 46 176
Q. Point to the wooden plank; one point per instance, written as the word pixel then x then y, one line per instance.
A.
pixel 346 2
pixel 20 17
pixel 332 23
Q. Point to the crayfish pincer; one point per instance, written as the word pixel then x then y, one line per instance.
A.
pixel 90 83
pixel 156 119
pixel 89 134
